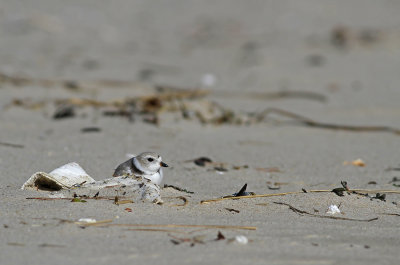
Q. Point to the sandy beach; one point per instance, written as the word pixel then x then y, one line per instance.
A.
pixel 285 96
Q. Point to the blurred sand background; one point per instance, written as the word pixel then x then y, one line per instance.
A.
pixel 346 51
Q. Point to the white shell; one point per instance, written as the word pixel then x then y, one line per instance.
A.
pixel 333 209
pixel 70 171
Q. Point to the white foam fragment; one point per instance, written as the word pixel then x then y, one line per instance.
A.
pixel 333 209
pixel 87 220
pixel 241 240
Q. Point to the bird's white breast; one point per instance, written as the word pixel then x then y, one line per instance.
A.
pixel 156 177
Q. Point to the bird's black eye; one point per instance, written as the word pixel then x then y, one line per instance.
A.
pixel 150 159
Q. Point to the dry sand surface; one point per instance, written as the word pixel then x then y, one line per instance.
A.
pixel 335 62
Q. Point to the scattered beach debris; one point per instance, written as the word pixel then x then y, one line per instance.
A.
pixel 358 163
pixel 338 191
pixel 128 210
pixel 322 125
pixel 333 209
pixel 72 178
pixel 190 103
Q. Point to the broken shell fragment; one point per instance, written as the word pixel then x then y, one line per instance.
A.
pixel 64 177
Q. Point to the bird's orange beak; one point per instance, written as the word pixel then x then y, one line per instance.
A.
pixel 163 164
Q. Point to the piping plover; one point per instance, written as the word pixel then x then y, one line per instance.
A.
pixel 146 165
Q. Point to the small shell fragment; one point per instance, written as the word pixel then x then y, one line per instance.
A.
pixel 333 209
